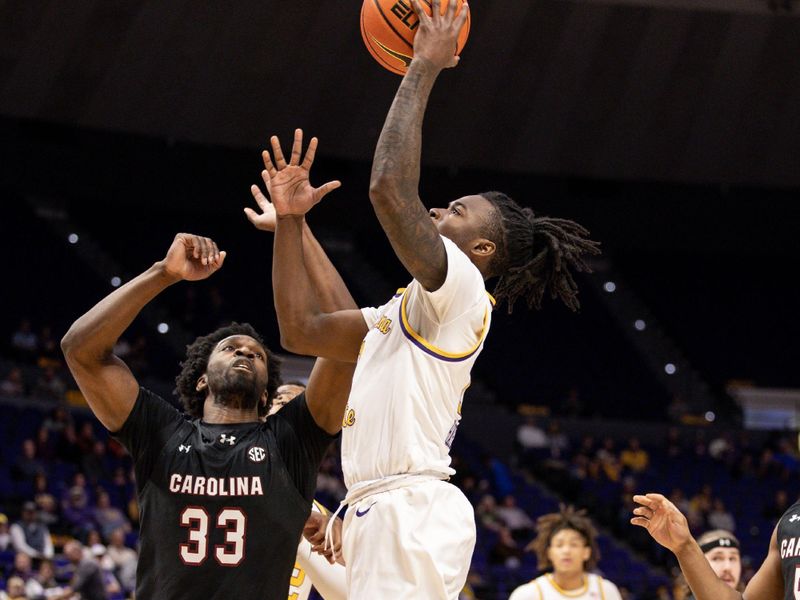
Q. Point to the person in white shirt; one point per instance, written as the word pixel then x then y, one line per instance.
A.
pixel 415 352
pixel 566 548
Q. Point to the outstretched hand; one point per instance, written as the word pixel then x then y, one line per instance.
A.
pixel 266 220
pixel 288 185
pixel 662 520
pixel 192 257
pixel 436 39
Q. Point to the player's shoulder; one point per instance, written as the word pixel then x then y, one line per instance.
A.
pixel 527 591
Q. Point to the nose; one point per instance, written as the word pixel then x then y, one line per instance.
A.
pixel 435 213
pixel 248 353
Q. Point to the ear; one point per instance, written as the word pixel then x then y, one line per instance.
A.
pixel 483 247
pixel 587 553
pixel 202 383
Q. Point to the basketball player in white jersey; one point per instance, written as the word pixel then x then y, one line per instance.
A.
pixel 566 547
pixel 408 533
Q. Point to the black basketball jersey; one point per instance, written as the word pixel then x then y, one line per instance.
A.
pixel 222 507
pixel 789 548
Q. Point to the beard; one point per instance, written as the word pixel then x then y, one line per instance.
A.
pixel 235 389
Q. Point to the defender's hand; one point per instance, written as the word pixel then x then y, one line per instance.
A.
pixel 266 220
pixel 663 521
pixel 314 532
pixel 192 257
pixel 288 184
pixel 437 37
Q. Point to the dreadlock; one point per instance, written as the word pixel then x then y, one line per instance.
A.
pixel 550 524
pixel 535 254
pixel 196 363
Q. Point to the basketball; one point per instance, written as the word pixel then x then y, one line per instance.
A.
pixel 388 28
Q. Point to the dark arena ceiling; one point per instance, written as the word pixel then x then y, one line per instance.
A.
pixel 670 90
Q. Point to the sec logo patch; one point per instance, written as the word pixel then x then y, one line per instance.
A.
pixel 257 454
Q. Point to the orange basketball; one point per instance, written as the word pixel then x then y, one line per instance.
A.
pixel 388 28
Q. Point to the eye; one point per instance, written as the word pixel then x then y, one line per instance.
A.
pixel 259 356
pixel 228 347
pixel 454 210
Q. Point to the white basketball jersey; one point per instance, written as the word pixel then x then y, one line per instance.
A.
pixel 545 588
pixel 413 369
pixel 312 569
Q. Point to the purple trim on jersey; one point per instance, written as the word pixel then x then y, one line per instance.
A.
pixel 428 350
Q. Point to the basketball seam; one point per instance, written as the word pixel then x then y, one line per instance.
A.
pixel 376 52
pixel 389 23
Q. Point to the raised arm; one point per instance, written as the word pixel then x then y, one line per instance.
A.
pixel 311 321
pixel 667 525
pixel 105 380
pixel 394 185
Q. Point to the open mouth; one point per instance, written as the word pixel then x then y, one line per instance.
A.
pixel 242 365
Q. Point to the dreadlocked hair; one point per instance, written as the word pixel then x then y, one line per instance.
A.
pixel 196 363
pixel 536 255
pixel 550 524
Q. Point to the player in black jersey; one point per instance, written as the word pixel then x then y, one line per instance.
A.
pixel 223 496
pixel 778 578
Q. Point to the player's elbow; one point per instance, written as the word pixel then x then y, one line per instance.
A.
pixel 383 189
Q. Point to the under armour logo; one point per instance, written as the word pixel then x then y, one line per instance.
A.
pixel 257 454
pixel 724 542
pixel 794 518
pixel 184 448
pixel 227 439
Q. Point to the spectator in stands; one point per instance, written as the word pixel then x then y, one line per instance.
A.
pixel 57 421
pixel 49 350
pixel 5 537
pixel 786 456
pixel 45 444
pixel 86 438
pixel 23 568
pixel 721 447
pixel 673 445
pixel 531 438
pixel 46 577
pixel 47 510
pixel 702 502
pixel 777 507
pixel 515 519
pixel 24 342
pixel 109 518
pixel 502 483
pixel 487 514
pixel 719 517
pixel 609 461
pixel 634 457
pixel 15 590
pixel 13 386
pixel 559 442
pixel 49 386
pixel 77 513
pixel 124 560
pixel 505 551
pixel 566 544
pixel 88 578
pixel 31 536
pixel 95 463
pixel 27 466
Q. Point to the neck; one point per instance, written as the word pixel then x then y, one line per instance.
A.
pixel 215 411
pixel 570 581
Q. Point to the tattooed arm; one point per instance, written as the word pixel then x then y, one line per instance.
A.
pixel 395 168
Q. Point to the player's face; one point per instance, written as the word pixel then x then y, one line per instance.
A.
pixel 568 551
pixel 237 368
pixel 464 220
pixel 726 563
pixel 284 394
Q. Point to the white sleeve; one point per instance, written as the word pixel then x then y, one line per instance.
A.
pixel 610 590
pixel 463 289
pixel 328 579
pixel 373 314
